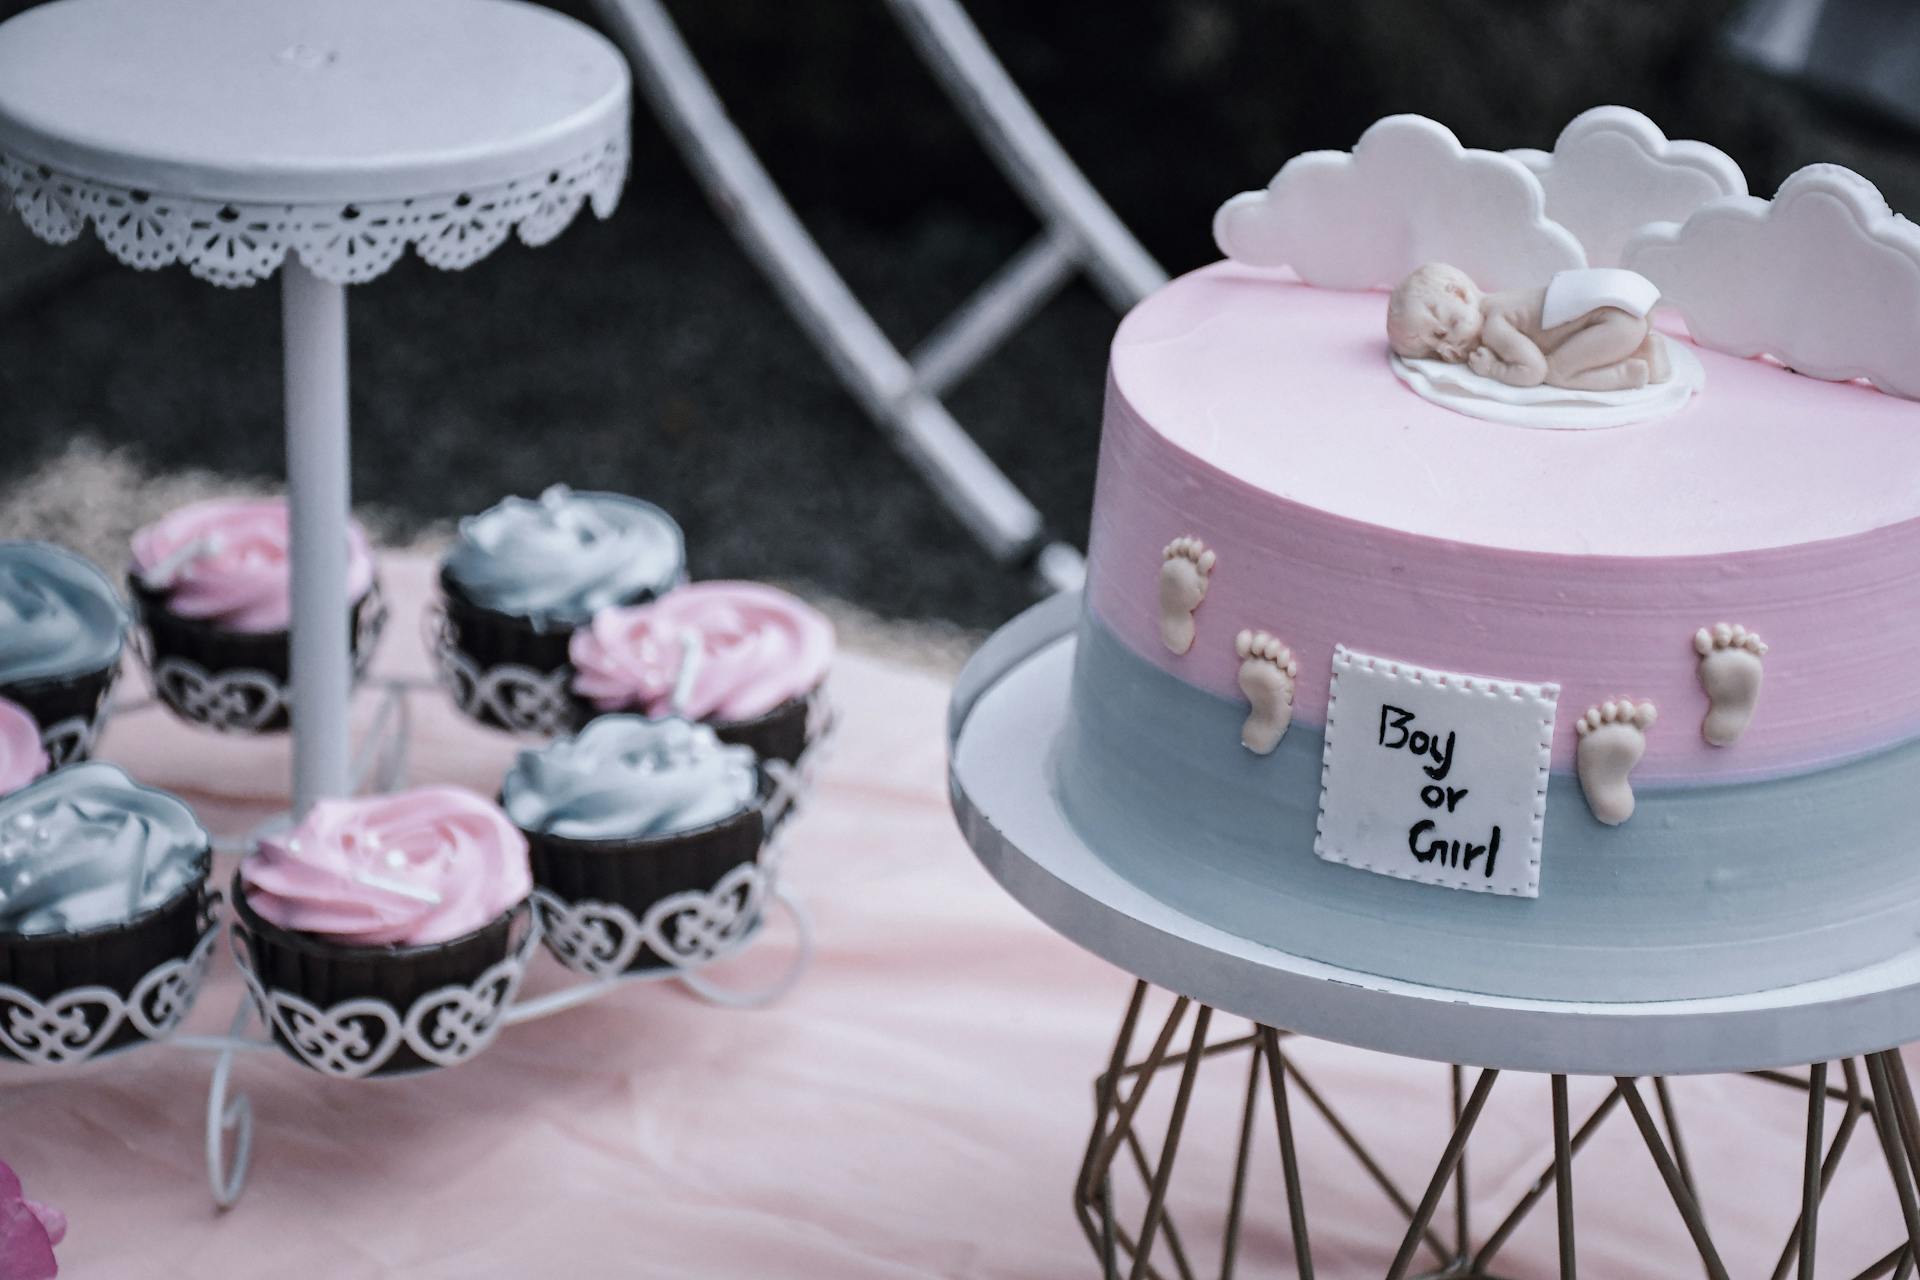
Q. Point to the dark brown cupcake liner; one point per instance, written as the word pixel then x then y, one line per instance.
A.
pixel 495 639
pixel 223 653
pixel 490 639
pixel 779 734
pixel 326 973
pixel 635 875
pixel 51 700
pixel 116 956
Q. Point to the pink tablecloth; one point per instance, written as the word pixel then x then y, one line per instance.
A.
pixel 916 1108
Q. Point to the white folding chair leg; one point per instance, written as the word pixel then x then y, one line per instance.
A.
pixel 996 308
pixel 902 395
pixel 1026 150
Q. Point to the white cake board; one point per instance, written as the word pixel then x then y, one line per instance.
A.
pixel 1008 711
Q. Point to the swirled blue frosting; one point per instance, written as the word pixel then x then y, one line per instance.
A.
pixel 626 777
pixel 86 847
pixel 559 559
pixel 59 616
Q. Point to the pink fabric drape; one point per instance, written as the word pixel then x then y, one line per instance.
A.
pixel 916 1108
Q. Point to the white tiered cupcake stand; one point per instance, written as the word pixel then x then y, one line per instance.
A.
pixel 321 140
pixel 1008 710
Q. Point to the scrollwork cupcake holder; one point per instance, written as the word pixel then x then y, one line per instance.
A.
pixel 521 698
pixel 593 942
pixel 74 1026
pixel 242 701
pixel 354 1039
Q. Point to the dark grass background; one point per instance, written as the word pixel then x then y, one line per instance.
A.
pixel 645 354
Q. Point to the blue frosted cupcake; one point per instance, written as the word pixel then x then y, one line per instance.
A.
pixel 62 629
pixel 101 881
pixel 632 810
pixel 525 574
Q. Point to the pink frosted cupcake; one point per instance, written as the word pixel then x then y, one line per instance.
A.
pixel 386 898
pixel 743 657
pixel 23 757
pixel 212 587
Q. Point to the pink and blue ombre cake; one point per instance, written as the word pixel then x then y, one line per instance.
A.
pixel 1531 672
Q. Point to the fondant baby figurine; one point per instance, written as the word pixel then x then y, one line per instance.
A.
pixel 1586 331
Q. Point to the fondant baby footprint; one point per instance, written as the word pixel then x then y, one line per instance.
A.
pixel 1730 673
pixel 1267 670
pixel 1613 737
pixel 1183 585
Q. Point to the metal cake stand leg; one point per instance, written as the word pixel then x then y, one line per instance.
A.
pixel 1289 1159
pixel 1678 1185
pixel 1897 1141
pixel 1795 1247
pixel 1563 1178
pixel 1468 1115
pixel 1880 1094
pixel 1558 1177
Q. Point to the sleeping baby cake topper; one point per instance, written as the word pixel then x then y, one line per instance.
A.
pixel 1524 282
pixel 1586 331
pixel 1580 352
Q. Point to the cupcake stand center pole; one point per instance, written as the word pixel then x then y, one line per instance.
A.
pixel 315 319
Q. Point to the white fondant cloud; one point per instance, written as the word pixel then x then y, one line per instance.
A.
pixel 1824 277
pixel 1407 194
pixel 1612 171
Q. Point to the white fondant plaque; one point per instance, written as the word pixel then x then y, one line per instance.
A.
pixel 1435 776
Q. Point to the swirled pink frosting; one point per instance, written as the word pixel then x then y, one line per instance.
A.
pixel 225 560
pixel 22 757
pixel 758 647
pixel 406 869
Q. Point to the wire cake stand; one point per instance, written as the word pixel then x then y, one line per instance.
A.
pixel 1008 710
pixel 240 138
